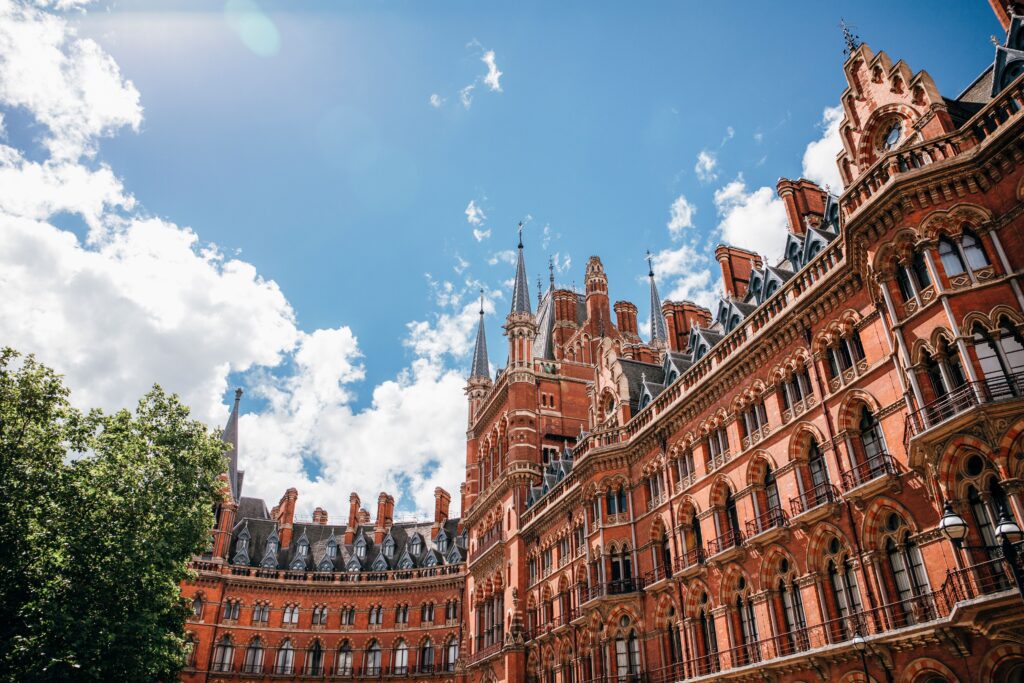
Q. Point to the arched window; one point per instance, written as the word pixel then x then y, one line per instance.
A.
pixel 732 517
pixel 673 644
pixel 627 655
pixel 920 271
pixel 973 251
pixel 223 654
pixel 873 442
pixel 415 545
pixel 315 659
pixel 913 278
pixel 285 663
pixel 426 662
pixel 197 607
pixel 190 651
pixel 771 490
pixel 794 626
pixel 707 639
pixel 345 659
pixel 1001 356
pixel 253 663
pixel 906 567
pixel 371 667
pixel 842 581
pixel 952 260
pixel 623 506
pixel 622 570
pixel 451 654
pixel 400 659
pixel 666 553
pixel 819 474
pixel 747 630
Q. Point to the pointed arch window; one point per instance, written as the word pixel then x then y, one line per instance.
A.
pixel 285 662
pixel 627 655
pixel 344 667
pixel 191 644
pixel 451 654
pixel 373 659
pixel 952 260
pixel 197 607
pixel 400 659
pixel 416 545
pixel 675 646
pixel 906 567
pixel 223 654
pixel 315 659
pixel 707 640
pixel 974 251
pixel 748 630
pixel 873 442
pixel 389 548
pixel 793 622
pixel 1001 357
pixel 426 663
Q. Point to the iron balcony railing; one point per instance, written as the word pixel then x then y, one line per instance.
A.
pixel 690 558
pixel 730 539
pixel 963 398
pixel 766 521
pixel 808 500
pixel 878 465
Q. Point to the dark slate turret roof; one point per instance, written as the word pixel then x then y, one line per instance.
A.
pixel 480 367
pixel 637 374
pixel 521 290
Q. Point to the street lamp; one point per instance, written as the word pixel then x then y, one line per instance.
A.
pixel 859 644
pixel 1007 533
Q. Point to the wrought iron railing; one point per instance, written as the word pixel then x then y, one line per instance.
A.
pixel 878 465
pixel 963 398
pixel 766 521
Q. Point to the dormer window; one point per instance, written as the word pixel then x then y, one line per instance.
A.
pixel 361 548
pixel 389 548
pixel 303 549
pixel 332 550
pixel 442 543
pixel 243 543
pixel 272 546
pixel 415 545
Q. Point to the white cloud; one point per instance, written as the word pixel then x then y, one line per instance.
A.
pixel 730 133
pixel 141 300
pixel 706 166
pixel 71 86
pixel 561 263
pixel 680 216
pixel 685 272
pixel 752 220
pixel 820 155
pixel 436 101
pixel 503 256
pixel 461 265
pixel 493 77
pixel 466 95
pixel 759 137
pixel 480 235
pixel 474 214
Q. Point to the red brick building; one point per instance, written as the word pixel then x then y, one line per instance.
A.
pixel 754 492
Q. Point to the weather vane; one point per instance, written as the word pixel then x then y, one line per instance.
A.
pixel 852 40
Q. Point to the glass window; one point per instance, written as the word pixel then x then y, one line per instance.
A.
pixel 223 654
pixel 950 257
pixel 973 250
pixel 345 659
pixel 285 658
pixel 373 659
pixel 401 662
pixel 920 269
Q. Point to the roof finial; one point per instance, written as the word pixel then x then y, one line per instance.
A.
pixel 481 302
pixel 520 234
pixel 650 264
pixel 238 396
pixel 538 291
pixel 851 39
pixel 551 271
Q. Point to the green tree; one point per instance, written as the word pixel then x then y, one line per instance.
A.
pixel 99 517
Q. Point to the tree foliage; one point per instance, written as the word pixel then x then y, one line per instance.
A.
pixel 99 517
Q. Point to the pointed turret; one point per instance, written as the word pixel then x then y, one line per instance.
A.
pixel 659 333
pixel 230 437
pixel 521 289
pixel 480 367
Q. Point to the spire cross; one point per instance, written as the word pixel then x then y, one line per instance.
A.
pixel 650 264
pixel 481 302
pixel 520 234
pixel 551 271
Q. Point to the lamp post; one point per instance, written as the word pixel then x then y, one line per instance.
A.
pixel 1008 533
pixel 859 644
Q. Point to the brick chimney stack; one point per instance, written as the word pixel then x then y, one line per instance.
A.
pixel 319 516
pixel 286 515
pixel 625 319
pixel 353 517
pixel 442 499
pixel 385 517
pixel 737 265
pixel 680 318
pixel 803 199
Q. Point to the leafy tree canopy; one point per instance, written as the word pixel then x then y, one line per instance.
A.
pixel 99 517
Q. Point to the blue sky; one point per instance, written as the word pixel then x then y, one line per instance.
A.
pixel 326 151
pixel 326 166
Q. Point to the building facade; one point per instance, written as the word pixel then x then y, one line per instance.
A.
pixel 755 491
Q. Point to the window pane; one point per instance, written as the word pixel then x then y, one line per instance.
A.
pixel 950 257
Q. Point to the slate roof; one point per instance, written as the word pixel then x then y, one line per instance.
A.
pixel 319 537
pixel 636 374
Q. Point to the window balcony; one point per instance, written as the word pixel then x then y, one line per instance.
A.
pixel 731 540
pixel 767 526
pixel 869 476
pixel 813 504
pixel 690 562
pixel 613 588
pixel 927 422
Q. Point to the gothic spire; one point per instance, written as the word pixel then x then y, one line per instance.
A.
pixel 479 368
pixel 230 437
pixel 658 330
pixel 521 291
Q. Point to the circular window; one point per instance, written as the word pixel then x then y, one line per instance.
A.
pixel 894 522
pixel 975 466
pixel 891 136
pixel 624 621
pixel 833 545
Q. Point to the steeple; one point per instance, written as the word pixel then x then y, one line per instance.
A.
pixel 479 368
pixel 521 291
pixel 659 333
pixel 230 437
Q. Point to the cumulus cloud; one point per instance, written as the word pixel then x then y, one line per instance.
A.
pixel 820 156
pixel 436 101
pixel 466 95
pixel 684 274
pixel 493 77
pixel 680 216
pixel 504 256
pixel 474 214
pixel 754 220
pixel 139 300
pixel 706 168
